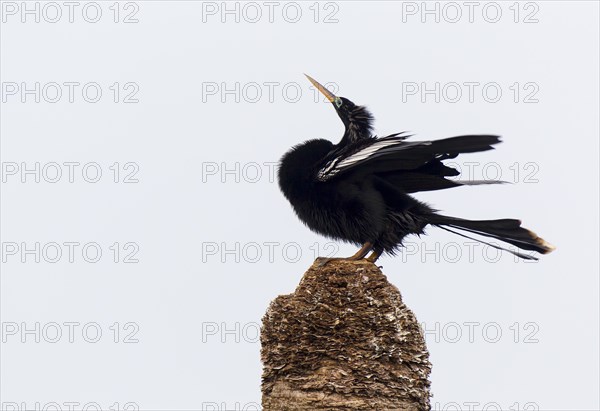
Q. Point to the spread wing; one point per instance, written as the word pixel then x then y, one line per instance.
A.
pixel 410 165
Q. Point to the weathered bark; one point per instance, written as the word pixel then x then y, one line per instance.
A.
pixel 344 340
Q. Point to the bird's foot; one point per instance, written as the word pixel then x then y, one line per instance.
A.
pixel 360 255
pixel 374 256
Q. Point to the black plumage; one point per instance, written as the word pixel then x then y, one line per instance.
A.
pixel 358 190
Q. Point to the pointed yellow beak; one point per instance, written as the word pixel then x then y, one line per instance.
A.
pixel 330 96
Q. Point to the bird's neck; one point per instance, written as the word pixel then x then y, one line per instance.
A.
pixel 359 125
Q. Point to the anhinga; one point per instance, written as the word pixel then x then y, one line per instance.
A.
pixel 358 190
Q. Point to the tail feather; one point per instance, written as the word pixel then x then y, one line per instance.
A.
pixel 507 230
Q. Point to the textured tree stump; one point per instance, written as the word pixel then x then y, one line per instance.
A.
pixel 343 341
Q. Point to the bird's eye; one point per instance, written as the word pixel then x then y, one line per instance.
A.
pixel 338 102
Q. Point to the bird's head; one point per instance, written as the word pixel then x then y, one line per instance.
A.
pixel 357 119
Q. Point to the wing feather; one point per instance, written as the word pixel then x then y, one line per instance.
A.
pixel 393 155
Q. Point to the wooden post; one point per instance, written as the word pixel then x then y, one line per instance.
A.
pixel 344 340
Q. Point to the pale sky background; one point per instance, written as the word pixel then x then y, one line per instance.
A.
pixel 212 252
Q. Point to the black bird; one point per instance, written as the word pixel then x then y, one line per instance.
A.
pixel 358 190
